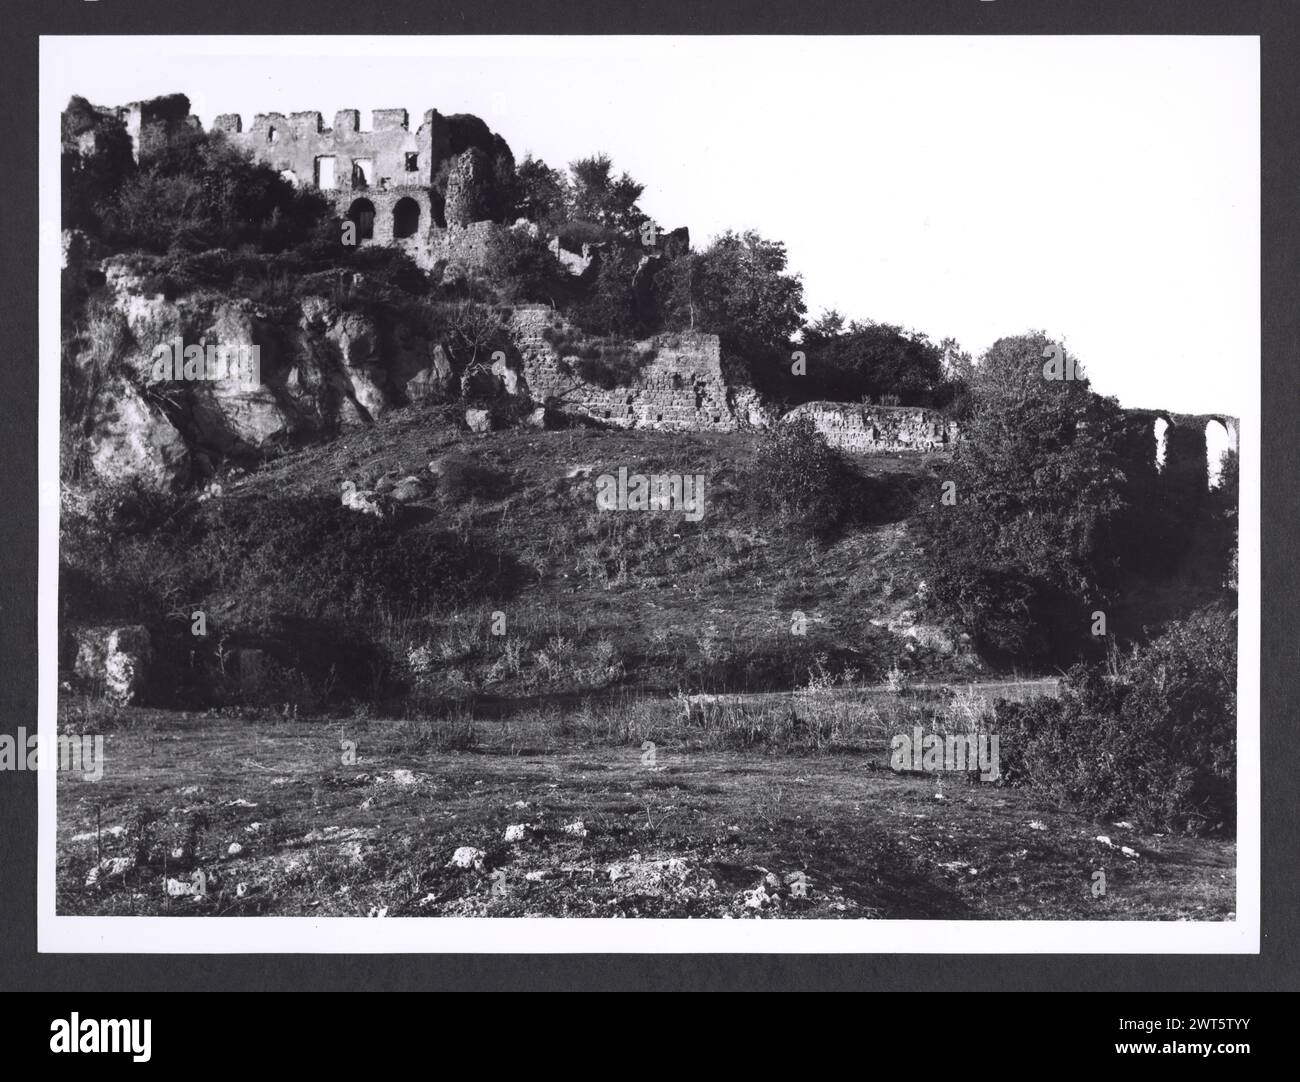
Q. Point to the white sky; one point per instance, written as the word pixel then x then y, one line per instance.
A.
pixel 1103 189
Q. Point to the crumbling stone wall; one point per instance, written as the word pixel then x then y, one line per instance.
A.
pixel 150 124
pixel 295 144
pixel 469 189
pixel 877 429
pixel 681 385
pixel 466 245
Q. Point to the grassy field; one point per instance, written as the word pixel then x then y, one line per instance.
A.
pixel 778 806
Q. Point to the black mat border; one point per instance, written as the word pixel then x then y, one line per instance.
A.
pixel 1278 965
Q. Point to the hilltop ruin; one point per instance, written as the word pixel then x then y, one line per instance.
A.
pixel 436 191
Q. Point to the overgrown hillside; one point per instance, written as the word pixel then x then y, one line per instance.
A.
pixel 508 524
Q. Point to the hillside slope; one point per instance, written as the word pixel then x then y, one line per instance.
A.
pixel 562 596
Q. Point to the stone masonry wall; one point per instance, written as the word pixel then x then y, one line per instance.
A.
pixel 681 387
pixel 295 143
pixel 878 429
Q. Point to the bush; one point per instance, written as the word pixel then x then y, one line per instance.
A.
pixel 315 558
pixel 259 559
pixel 608 305
pixel 848 363
pixel 573 235
pixel 197 192
pixel 1157 743
pixel 314 267
pixel 526 268
pixel 808 482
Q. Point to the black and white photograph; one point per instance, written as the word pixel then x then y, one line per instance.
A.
pixel 657 494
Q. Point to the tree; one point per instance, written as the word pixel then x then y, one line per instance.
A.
pixel 738 288
pixel 958 374
pixel 596 195
pixel 93 174
pixel 1032 544
pixel 609 305
pixel 542 193
pixel 847 363
pixel 473 328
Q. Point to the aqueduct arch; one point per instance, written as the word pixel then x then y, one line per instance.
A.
pixel 1218 440
pixel 1160 430
pixel 1185 449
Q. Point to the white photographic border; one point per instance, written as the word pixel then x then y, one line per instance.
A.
pixel 185 935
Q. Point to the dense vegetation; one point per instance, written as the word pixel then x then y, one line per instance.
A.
pixel 1156 740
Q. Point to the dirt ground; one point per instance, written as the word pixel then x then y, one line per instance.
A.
pixel 232 816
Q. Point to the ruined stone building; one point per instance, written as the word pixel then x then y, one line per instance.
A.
pixel 432 190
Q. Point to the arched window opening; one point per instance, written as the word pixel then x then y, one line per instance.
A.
pixel 406 218
pixel 362 215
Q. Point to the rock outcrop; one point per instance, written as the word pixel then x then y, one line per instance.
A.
pixel 117 657
pixel 132 440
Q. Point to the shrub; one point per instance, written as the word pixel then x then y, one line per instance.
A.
pixel 615 365
pixel 92 355
pixel 1157 743
pixel 261 558
pixel 868 360
pixel 525 267
pixel 316 558
pixel 808 482
pixel 573 235
pixel 198 191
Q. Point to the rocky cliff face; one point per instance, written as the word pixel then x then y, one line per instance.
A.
pixel 324 367
pixel 321 368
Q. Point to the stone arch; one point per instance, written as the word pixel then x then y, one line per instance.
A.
pixel 362 214
pixel 1218 439
pixel 406 218
pixel 1160 429
pixel 272 134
